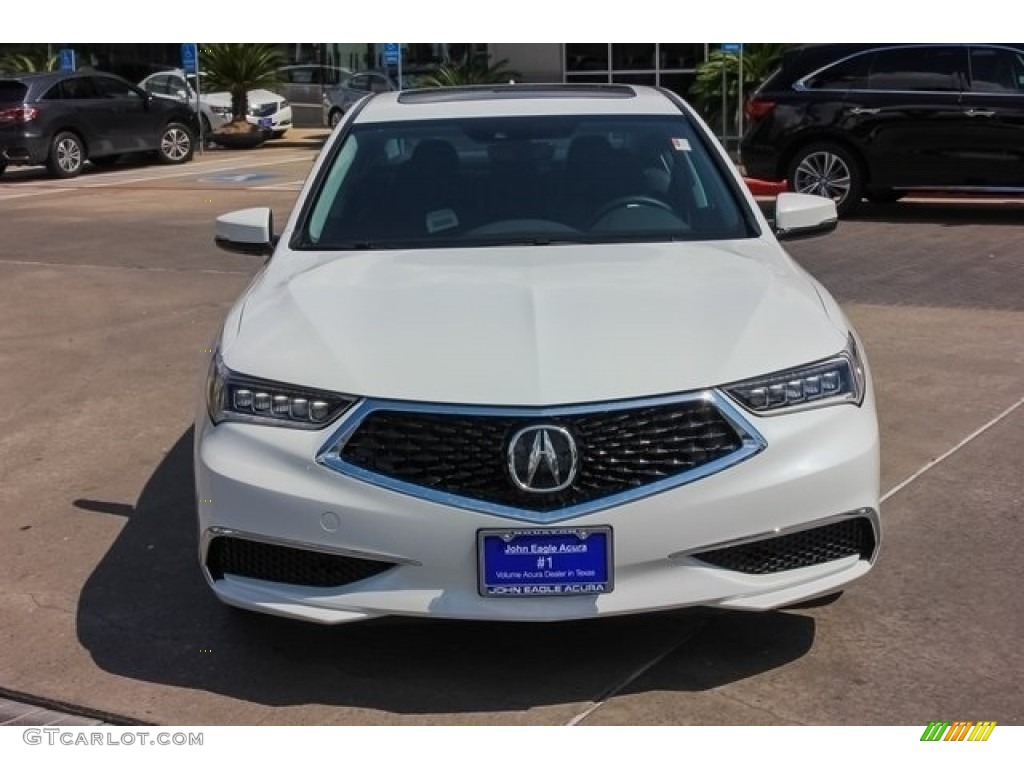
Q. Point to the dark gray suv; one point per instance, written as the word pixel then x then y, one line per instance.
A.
pixel 872 120
pixel 62 119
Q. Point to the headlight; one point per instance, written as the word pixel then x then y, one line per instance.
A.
pixel 222 111
pixel 233 397
pixel 836 380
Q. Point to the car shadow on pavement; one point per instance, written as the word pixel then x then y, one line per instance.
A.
pixel 146 613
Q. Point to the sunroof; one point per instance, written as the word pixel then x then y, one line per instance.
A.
pixel 516 91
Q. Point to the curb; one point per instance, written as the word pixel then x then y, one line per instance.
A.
pixel 21 710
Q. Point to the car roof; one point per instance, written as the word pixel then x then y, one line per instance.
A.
pixel 516 99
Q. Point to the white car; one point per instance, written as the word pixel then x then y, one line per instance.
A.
pixel 532 353
pixel 267 109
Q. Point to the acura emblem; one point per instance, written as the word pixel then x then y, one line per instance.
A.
pixel 542 459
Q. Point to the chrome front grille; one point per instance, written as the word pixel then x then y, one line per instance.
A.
pixel 461 455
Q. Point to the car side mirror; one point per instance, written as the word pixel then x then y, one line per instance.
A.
pixel 799 215
pixel 182 94
pixel 249 231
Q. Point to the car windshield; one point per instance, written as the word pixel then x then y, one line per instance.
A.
pixel 522 180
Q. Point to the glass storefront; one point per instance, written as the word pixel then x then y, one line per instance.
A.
pixel 671 65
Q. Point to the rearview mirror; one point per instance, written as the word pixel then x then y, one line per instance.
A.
pixel 249 231
pixel 800 215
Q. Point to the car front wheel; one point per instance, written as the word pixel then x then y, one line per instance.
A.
pixel 67 156
pixel 828 170
pixel 176 144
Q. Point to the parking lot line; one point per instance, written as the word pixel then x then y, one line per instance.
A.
pixel 34 192
pixel 284 185
pixel 193 172
pixel 25 263
pixel 939 459
pixel 54 186
pixel 614 689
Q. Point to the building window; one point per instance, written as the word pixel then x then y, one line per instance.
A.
pixel 633 56
pixel 670 65
pixel 586 57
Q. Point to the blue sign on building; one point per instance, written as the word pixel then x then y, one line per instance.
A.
pixel 190 57
pixel 67 59
pixel 391 53
pixel 732 47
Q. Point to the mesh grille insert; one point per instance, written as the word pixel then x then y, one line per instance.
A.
pixel 466 454
pixel 287 565
pixel 797 550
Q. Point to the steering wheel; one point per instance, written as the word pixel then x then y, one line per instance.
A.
pixel 632 200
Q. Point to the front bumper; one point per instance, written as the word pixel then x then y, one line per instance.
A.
pixel 280 121
pixel 264 484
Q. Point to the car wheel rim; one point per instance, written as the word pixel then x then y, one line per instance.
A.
pixel 69 155
pixel 335 119
pixel 175 144
pixel 823 173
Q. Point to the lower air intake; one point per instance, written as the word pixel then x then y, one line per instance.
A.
pixel 797 550
pixel 287 565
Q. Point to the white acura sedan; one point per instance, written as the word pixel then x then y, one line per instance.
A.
pixel 532 353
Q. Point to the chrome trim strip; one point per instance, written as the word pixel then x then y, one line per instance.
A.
pixel 329 454
pixel 210 534
pixel 868 512
pixel 962 188
pixel 801 84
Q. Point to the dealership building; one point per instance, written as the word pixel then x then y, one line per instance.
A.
pixel 668 64
pixel 672 65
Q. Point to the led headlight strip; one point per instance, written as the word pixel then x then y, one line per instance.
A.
pixel 838 379
pixel 235 397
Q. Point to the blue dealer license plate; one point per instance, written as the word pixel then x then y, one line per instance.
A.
pixel 535 562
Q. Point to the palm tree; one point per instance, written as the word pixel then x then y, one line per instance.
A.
pixel 36 61
pixel 475 71
pixel 239 68
pixel 759 61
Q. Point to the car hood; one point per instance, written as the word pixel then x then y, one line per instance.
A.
pixel 223 98
pixel 531 325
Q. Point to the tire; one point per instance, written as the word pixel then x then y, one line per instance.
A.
pixel 829 170
pixel 67 156
pixel 3 167
pixel 104 162
pixel 884 196
pixel 279 134
pixel 177 144
pixel 334 118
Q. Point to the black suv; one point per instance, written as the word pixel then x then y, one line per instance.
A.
pixel 856 121
pixel 62 119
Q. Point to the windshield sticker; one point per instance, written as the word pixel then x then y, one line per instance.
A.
pixel 441 219
pixel 681 145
